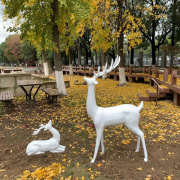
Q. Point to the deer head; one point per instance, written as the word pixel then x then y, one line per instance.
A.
pixel 48 126
pixel 92 81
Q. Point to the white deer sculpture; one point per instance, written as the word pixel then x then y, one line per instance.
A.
pixel 126 114
pixel 41 146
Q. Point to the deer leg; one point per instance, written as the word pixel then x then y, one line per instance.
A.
pixel 138 144
pixel 135 129
pixel 102 145
pixel 98 139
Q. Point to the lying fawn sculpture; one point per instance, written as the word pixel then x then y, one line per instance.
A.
pixel 126 114
pixel 41 146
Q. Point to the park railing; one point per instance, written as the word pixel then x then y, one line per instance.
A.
pixel 163 76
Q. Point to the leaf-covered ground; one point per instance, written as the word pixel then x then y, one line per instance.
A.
pixel 160 124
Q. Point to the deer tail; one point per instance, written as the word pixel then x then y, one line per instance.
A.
pixel 140 106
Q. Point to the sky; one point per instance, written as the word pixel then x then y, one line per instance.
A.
pixel 3 26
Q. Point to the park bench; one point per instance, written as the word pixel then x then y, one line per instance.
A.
pixel 6 96
pixel 51 94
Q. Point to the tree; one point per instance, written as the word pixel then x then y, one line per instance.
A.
pixel 153 15
pixel 121 29
pixel 28 51
pixel 103 33
pixel 42 22
pixel 3 59
pixel 175 24
pixel 12 49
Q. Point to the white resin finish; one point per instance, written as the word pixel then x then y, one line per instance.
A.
pixel 46 69
pixel 105 74
pixel 60 82
pixel 41 146
pixel 122 77
pixel 126 114
pixel 70 69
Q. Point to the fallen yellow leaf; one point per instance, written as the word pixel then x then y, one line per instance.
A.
pixel 2 170
pixel 169 177
pixel 139 169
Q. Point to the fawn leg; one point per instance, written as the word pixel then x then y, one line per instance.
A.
pixel 138 144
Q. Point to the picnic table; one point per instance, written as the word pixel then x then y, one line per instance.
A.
pixel 31 83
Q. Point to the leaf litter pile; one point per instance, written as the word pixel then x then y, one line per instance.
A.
pixel 160 124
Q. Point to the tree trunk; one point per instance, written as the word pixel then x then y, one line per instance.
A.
pixel 153 48
pixel 163 59
pixel 173 35
pixel 172 44
pixel 92 60
pixel 45 63
pixel 153 45
pixel 103 64
pixel 86 57
pixel 140 59
pixel 57 53
pixel 79 53
pixel 75 61
pixel 96 58
pixel 70 63
pixel 132 57
pixel 122 78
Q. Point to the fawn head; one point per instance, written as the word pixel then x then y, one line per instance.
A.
pixel 48 126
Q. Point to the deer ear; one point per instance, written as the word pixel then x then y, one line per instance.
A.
pixel 95 82
pixel 50 123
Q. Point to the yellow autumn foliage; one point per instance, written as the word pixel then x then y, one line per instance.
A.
pixel 160 124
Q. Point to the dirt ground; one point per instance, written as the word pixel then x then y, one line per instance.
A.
pixel 120 161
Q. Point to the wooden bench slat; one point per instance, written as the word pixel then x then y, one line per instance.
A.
pixel 51 92
pixel 6 96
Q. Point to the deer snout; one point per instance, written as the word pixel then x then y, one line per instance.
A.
pixel 85 78
pixel 90 81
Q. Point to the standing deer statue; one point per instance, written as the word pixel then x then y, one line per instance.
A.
pixel 126 114
pixel 41 146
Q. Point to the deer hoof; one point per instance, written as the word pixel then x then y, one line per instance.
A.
pixel 92 161
pixel 145 159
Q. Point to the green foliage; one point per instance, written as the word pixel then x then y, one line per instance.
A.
pixel 14 51
pixel 28 51
pixel 2 57
pixel 34 19
pixel 97 17
pixel 12 48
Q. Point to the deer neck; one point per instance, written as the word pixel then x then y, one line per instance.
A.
pixel 55 134
pixel 91 105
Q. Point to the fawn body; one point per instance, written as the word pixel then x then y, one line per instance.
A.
pixel 41 146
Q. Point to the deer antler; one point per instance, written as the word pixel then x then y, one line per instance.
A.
pixel 113 66
pixel 36 131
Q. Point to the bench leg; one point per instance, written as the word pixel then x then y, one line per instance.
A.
pixel 8 104
pixel 151 82
pixel 141 80
pixel 132 79
pixel 176 99
pixel 54 100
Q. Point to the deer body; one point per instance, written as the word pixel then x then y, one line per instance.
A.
pixel 41 146
pixel 126 114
